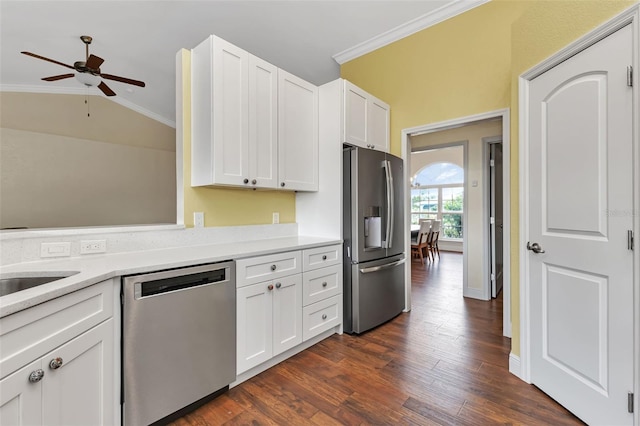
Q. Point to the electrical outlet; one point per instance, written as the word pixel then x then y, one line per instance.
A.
pixel 93 246
pixel 198 219
pixel 276 217
pixel 55 249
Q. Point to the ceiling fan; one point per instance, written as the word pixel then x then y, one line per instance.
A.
pixel 88 71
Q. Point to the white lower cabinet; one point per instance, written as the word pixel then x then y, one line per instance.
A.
pixel 299 296
pixel 72 384
pixel 269 320
pixel 322 290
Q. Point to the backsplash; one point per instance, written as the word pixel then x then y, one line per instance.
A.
pixel 20 248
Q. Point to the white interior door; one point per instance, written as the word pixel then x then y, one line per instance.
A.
pixel 580 212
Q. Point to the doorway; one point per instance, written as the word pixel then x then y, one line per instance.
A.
pixel 476 285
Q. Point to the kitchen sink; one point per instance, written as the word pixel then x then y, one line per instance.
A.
pixel 14 284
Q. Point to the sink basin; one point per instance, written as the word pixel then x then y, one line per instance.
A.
pixel 14 284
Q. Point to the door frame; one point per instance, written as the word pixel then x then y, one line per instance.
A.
pixel 486 205
pixel 504 114
pixel 522 367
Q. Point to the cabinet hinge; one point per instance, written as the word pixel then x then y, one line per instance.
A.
pixel 630 402
pixel 492 221
pixel 492 163
pixel 630 240
pixel 630 76
pixel 493 277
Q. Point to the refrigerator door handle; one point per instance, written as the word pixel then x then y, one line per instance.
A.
pixel 390 206
pixel 381 267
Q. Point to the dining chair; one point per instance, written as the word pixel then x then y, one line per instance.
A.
pixel 432 241
pixel 420 245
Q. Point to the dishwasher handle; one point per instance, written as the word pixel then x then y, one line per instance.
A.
pixel 155 287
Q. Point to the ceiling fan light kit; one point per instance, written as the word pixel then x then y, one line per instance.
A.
pixel 88 71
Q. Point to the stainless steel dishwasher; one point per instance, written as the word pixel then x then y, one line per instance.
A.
pixel 178 340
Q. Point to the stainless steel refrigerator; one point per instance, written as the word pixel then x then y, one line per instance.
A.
pixel 374 273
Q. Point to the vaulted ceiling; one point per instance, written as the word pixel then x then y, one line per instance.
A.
pixel 140 39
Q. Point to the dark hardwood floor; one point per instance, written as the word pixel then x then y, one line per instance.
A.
pixel 443 363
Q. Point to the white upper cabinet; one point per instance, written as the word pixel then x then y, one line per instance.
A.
pixel 263 123
pixel 366 119
pixel 247 115
pixel 297 133
pixel 220 114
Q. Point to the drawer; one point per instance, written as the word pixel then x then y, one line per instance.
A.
pixel 321 257
pixel 30 334
pixel 321 283
pixel 321 316
pixel 264 268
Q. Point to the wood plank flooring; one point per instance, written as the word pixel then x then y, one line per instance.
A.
pixel 443 363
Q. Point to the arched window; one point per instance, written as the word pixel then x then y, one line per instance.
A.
pixel 437 192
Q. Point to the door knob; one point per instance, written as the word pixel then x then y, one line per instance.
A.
pixel 254 181
pixel 245 180
pixel 278 285
pixel 270 287
pixel 535 247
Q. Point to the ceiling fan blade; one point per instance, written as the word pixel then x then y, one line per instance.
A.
pixel 58 77
pixel 94 62
pixel 47 59
pixel 123 80
pixel 106 90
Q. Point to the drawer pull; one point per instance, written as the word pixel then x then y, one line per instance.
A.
pixel 270 287
pixel 55 363
pixel 324 257
pixel 324 316
pixel 324 284
pixel 36 375
pixel 273 267
pixel 278 285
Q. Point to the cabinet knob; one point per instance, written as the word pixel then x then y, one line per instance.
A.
pixel 324 316
pixel 36 375
pixel 270 287
pixel 324 257
pixel 254 181
pixel 55 363
pixel 278 285
pixel 282 184
pixel 273 267
pixel 245 180
pixel 324 284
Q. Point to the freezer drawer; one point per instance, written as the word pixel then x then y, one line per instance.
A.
pixel 376 293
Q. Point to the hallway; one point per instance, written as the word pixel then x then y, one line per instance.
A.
pixel 445 362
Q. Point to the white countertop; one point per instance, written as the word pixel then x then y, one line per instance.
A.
pixel 92 269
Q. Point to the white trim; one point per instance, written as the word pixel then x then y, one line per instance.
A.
pixel 6 235
pixel 514 365
pixel 56 90
pixel 180 135
pixel 504 114
pixel 629 16
pixel 456 7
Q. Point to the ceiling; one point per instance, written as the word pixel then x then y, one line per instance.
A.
pixel 140 39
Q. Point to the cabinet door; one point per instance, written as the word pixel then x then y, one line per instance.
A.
pixel 379 118
pixel 230 113
pixel 21 400
pixel 297 133
pixel 81 391
pixel 356 116
pixel 263 123
pixel 254 325
pixel 287 313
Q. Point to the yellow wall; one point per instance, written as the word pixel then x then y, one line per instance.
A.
pixel 469 65
pixel 226 207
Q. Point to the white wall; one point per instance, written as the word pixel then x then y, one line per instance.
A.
pixel 476 217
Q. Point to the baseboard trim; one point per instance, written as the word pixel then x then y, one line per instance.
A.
pixel 514 365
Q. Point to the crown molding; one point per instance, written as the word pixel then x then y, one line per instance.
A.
pixel 84 91
pixel 418 24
